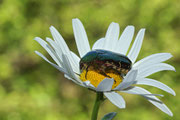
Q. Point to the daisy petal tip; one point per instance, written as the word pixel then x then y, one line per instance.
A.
pixel 173 69
pixel 75 20
pixel 170 55
pixel 105 85
pixel 173 93
pixel 143 29
pixel 169 113
pixel 37 52
pixel 123 106
pixel 131 27
pixel 48 39
pixel 116 99
pixel 52 28
pixel 37 38
pixel 116 24
pixel 113 23
pixel 161 95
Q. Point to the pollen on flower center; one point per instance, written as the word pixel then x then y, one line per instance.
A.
pixel 95 77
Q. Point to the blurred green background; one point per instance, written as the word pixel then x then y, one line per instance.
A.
pixel 31 89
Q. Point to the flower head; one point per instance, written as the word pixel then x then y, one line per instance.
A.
pixel 111 81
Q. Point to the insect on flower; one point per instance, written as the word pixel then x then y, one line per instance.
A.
pixel 106 61
pixel 103 62
pixel 109 66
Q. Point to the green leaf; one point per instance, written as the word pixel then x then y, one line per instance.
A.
pixel 109 116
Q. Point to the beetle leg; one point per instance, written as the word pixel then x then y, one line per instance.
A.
pixel 86 71
pixel 103 73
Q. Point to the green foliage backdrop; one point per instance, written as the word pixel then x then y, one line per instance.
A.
pixel 31 89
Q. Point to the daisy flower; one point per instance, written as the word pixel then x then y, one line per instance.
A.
pixel 69 63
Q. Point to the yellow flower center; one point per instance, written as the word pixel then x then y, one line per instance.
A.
pixel 95 77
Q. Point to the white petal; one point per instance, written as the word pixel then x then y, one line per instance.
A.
pixel 154 83
pixel 111 37
pixel 105 85
pixel 116 99
pixel 154 100
pixel 54 65
pixel 49 50
pixel 80 37
pixel 55 47
pixel 89 85
pixel 63 47
pixel 152 59
pixel 69 78
pixel 133 53
pixel 128 80
pixel 67 75
pixel 160 95
pixel 75 58
pixel 69 69
pixel 144 72
pixel 137 91
pixel 59 41
pixel 125 40
pixel 76 61
pixel 99 44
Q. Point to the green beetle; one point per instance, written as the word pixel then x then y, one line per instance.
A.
pixel 105 61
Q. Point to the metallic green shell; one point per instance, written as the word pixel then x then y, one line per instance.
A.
pixel 103 60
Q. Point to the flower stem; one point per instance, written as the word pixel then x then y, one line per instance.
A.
pixel 99 100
